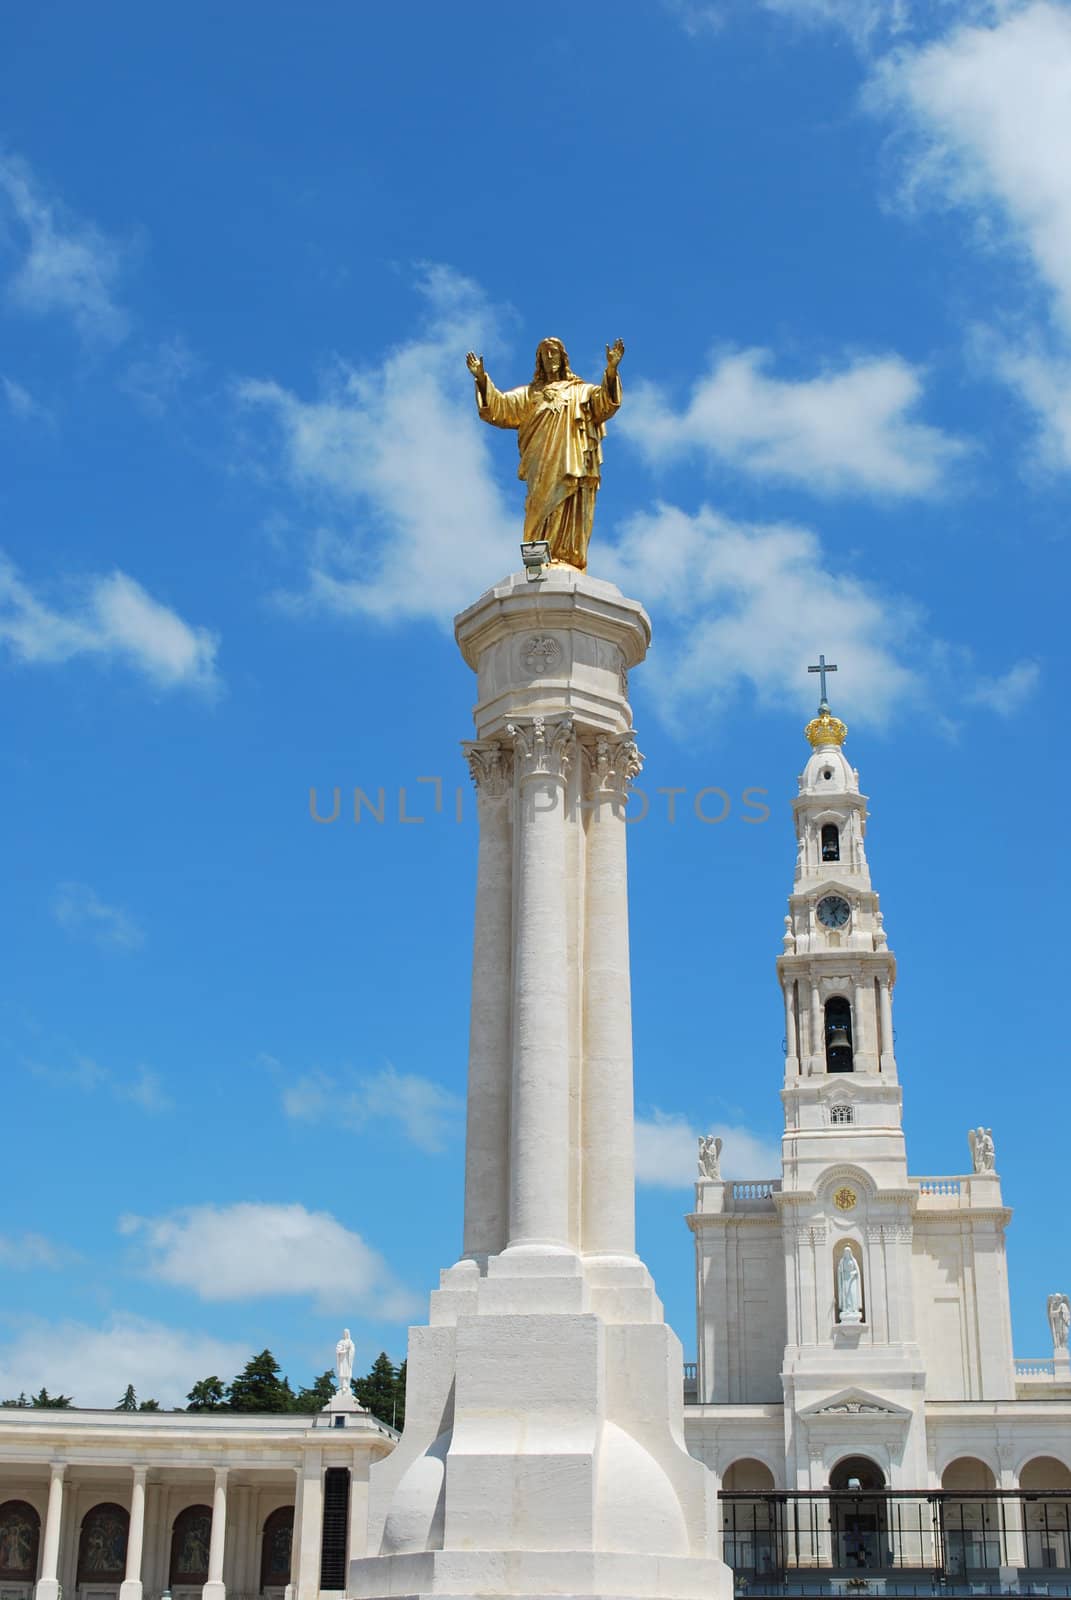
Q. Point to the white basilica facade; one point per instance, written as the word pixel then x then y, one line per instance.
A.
pixel 854 1361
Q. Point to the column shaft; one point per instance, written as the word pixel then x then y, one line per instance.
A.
pixel 608 1193
pixel 818 1055
pixel 48 1582
pixel 308 1536
pixel 885 1000
pixel 792 1064
pixel 539 1134
pixel 131 1588
pixel 860 1032
pixel 487 1132
pixel 215 1589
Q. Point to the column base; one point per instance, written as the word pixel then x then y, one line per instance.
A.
pixel 47 1589
pixel 214 1590
pixel 532 1574
pixel 130 1589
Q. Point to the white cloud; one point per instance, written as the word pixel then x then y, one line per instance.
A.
pixel 145 1089
pixel 1012 689
pixel 20 402
pixel 110 618
pixel 989 113
pixel 667 1151
pixel 412 524
pixel 156 378
pixel 751 604
pixel 80 910
pixel 250 1250
pixel 31 1250
pixel 427 1113
pixel 95 1364
pixel 64 265
pixel 848 430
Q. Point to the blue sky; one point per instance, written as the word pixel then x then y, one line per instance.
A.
pixel 242 254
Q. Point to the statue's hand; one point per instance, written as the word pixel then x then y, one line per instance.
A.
pixel 475 365
pixel 614 352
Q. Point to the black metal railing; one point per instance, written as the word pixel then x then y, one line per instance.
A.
pixel 952 1537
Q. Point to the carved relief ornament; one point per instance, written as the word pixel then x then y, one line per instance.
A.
pixel 491 765
pixel 543 746
pixel 611 763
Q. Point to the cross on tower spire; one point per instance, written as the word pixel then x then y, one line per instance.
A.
pixel 822 668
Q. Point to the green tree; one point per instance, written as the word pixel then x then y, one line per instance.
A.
pixel 315 1396
pixel 399 1389
pixel 8 1405
pixel 129 1402
pixel 149 1405
pixel 207 1395
pixel 258 1387
pixel 51 1402
pixel 378 1392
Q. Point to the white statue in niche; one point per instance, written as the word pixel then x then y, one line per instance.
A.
pixel 849 1287
pixel 344 1351
pixel 710 1157
pixel 983 1150
pixel 1059 1308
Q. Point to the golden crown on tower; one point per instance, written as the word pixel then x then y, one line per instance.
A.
pixel 825 728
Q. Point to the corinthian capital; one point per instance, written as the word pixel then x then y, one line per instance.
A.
pixel 611 763
pixel 491 765
pixel 543 746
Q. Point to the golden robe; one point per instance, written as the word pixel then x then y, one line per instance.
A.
pixel 560 427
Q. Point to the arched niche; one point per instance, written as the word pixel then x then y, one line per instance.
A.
pixel 858 1515
pixel 275 1550
pixel 191 1536
pixel 840 1050
pixel 102 1544
pixel 967 1472
pixel 849 1289
pixel 1044 1472
pixel 748 1475
pixel 750 1541
pixel 20 1541
pixel 830 845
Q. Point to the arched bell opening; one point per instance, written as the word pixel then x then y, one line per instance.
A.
pixel 830 842
pixel 840 1053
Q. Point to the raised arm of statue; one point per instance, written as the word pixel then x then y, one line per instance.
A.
pixel 606 398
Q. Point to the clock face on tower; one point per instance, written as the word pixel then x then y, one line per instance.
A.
pixel 834 911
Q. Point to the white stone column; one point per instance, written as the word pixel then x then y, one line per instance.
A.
pixel 357 1544
pixel 48 1587
pixel 818 1054
pixel 608 1208
pixel 215 1589
pixel 888 1056
pixel 308 1531
pixel 487 1133
pixel 861 1051
pixel 130 1588
pixel 295 1537
pixel 540 1145
pixel 792 1064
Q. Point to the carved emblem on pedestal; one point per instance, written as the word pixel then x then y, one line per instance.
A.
pixel 540 653
pixel 845 1199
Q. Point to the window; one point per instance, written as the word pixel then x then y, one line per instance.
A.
pixel 842 1114
pixel 839 1052
pixel 830 842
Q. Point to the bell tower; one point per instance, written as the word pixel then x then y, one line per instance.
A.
pixel 837 971
pixel 846 1203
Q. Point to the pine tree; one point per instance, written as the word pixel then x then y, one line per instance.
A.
pixel 258 1387
pixel 207 1395
pixel 16 1405
pixel 399 1390
pixel 129 1402
pixel 316 1395
pixel 149 1405
pixel 51 1402
pixel 378 1392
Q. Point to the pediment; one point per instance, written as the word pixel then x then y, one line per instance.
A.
pixel 855 1402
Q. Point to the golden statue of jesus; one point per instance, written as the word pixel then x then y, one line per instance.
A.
pixel 560 422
